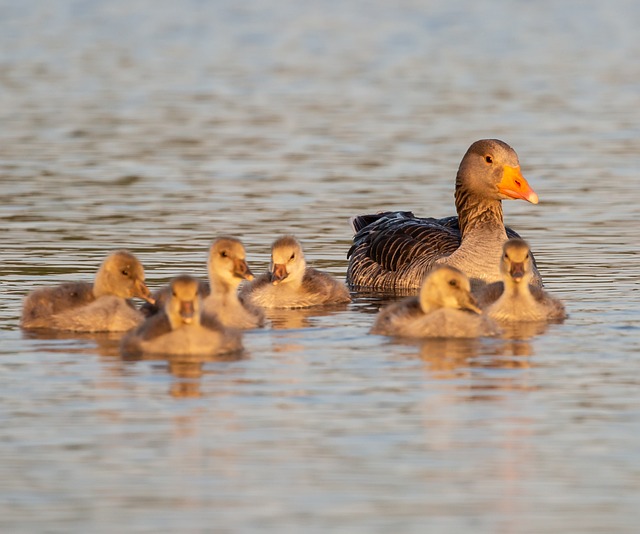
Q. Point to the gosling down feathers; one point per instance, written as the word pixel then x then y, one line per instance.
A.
pixel 395 250
pixel 444 308
pixel 181 328
pixel 290 283
pixel 227 267
pixel 86 307
pixel 515 299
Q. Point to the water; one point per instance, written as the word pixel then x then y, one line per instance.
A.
pixel 157 126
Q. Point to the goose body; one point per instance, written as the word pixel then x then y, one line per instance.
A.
pixel 291 284
pixel 181 328
pixel 395 250
pixel 445 308
pixel 227 268
pixel 101 306
pixel 515 299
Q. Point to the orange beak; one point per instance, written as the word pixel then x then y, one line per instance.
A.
pixel 279 273
pixel 513 185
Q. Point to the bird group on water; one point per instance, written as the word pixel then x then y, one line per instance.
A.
pixel 472 275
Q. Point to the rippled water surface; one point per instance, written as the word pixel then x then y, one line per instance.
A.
pixel 157 126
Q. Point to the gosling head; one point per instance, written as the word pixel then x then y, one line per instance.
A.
pixel 516 265
pixel 183 306
pixel 287 261
pixel 227 262
pixel 121 274
pixel 447 287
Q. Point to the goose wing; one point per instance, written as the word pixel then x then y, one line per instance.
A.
pixel 393 250
pixel 397 249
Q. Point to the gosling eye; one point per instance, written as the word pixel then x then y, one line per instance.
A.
pixel 293 257
pixel 488 159
pixel 125 272
pixel 224 254
pixel 526 257
pixel 453 283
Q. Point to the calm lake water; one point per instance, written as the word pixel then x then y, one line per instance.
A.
pixel 157 126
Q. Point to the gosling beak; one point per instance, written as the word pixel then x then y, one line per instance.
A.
pixel 517 271
pixel 471 304
pixel 279 273
pixel 142 291
pixel 187 311
pixel 241 270
pixel 514 186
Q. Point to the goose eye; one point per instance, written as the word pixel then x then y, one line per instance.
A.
pixel 488 159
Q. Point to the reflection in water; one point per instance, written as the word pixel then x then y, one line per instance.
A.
pixel 448 357
pixel 106 343
pixel 523 330
pixel 186 369
pixel 283 319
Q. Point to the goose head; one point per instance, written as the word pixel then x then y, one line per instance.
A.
pixel 490 170
pixel 183 306
pixel 121 274
pixel 227 262
pixel 447 287
pixel 287 261
pixel 516 265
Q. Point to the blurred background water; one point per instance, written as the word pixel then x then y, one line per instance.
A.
pixel 158 125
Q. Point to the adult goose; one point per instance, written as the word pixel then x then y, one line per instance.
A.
pixel 445 308
pixel 515 299
pixel 395 250
pixel 101 306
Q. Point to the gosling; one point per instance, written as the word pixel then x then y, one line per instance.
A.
pixel 290 283
pixel 445 308
pixel 181 329
pixel 227 267
pixel 515 299
pixel 85 307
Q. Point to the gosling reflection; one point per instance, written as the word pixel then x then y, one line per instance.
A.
pixel 285 319
pixel 106 343
pixel 187 370
pixel 447 358
pixel 451 358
